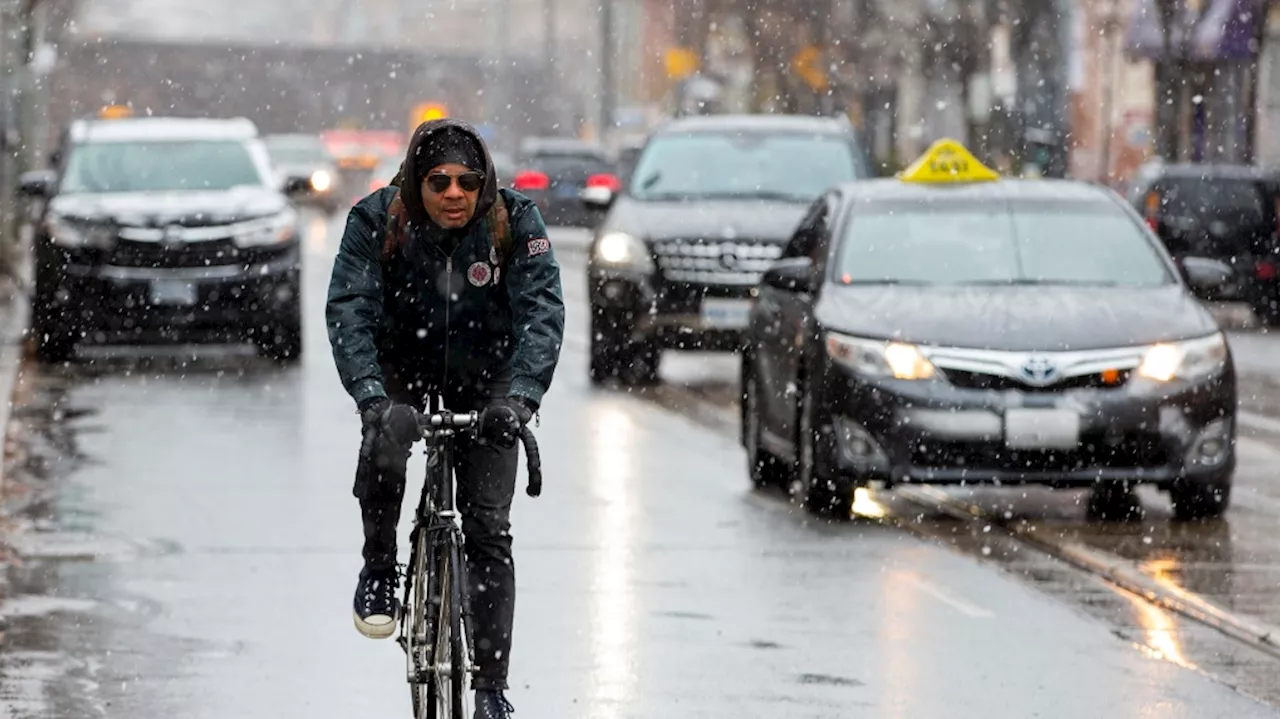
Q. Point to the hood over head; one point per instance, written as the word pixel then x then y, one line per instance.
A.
pixel 439 142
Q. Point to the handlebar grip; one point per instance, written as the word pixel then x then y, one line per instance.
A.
pixel 534 461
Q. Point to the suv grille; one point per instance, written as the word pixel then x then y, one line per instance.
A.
pixel 715 263
pixel 193 254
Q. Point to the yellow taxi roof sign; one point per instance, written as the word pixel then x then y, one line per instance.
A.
pixel 947 161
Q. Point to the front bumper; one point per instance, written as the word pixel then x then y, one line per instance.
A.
pixel 935 433
pixel 670 315
pixel 110 304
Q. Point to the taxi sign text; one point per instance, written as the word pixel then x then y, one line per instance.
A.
pixel 947 161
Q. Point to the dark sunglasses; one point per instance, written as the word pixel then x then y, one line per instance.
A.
pixel 468 181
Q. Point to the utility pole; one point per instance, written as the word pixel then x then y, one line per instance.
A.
pixel 608 83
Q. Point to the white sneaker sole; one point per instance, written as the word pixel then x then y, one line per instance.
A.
pixel 381 628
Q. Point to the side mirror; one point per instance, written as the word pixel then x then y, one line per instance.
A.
pixel 296 184
pixel 1205 274
pixel 38 183
pixel 597 198
pixel 794 274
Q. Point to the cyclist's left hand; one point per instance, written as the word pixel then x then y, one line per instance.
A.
pixel 502 420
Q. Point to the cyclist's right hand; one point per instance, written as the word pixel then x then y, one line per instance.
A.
pixel 389 432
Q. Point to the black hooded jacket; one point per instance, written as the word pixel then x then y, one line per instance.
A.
pixel 428 305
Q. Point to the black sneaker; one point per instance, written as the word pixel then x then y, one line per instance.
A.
pixel 492 705
pixel 376 608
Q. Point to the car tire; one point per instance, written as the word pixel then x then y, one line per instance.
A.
pixel 614 356
pixel 282 341
pixel 821 497
pixel 1201 500
pixel 54 342
pixel 1267 312
pixel 764 469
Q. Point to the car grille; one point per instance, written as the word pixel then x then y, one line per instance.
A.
pixel 982 380
pixel 128 253
pixel 699 262
pixel 1132 451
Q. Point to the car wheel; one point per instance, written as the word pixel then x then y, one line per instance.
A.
pixel 282 341
pixel 823 497
pixel 616 356
pixel 1267 312
pixel 54 342
pixel 764 469
pixel 1201 500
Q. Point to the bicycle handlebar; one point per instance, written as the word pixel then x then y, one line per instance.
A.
pixel 533 458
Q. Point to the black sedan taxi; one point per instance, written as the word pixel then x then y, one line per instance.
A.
pixel 949 326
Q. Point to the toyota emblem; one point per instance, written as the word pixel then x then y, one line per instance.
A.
pixel 1039 371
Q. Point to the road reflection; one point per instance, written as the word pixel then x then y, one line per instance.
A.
pixel 611 448
pixel 1161 631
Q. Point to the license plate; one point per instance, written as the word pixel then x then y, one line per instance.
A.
pixel 566 191
pixel 725 314
pixel 1041 429
pixel 173 292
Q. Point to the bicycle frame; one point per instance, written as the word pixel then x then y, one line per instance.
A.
pixel 437 514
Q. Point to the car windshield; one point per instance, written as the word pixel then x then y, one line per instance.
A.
pixel 790 167
pixel 297 151
pixel 158 166
pixel 1073 243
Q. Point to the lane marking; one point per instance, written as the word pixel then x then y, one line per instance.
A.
pixel 937 592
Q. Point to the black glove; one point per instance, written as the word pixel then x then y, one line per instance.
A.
pixel 502 420
pixel 389 431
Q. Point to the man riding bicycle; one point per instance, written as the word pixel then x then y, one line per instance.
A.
pixel 445 285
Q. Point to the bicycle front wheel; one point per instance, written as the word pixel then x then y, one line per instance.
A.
pixel 444 656
pixel 459 652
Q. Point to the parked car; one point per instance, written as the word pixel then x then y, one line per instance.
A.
pixel 954 327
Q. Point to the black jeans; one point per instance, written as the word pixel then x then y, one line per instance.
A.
pixel 486 483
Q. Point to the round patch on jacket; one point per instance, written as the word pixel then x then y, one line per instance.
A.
pixel 479 274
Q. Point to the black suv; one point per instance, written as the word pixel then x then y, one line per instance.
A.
pixel 709 205
pixel 164 229
pixel 1229 213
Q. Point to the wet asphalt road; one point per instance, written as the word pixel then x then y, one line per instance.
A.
pixel 196 553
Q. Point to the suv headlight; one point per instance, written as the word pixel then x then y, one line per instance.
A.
pixel 73 234
pixel 622 251
pixel 879 358
pixel 274 230
pixel 1187 360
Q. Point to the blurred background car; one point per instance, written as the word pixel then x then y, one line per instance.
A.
pixel 306 160
pixel 711 203
pixel 553 171
pixel 1229 213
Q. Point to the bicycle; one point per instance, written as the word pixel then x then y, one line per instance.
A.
pixel 435 626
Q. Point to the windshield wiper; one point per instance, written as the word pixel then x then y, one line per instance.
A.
pixel 1029 282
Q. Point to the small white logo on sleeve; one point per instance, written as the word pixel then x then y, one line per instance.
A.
pixel 479 274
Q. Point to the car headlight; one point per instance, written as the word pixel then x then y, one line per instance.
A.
pixel 618 249
pixel 66 233
pixel 274 230
pixel 1187 360
pixel 879 358
pixel 321 181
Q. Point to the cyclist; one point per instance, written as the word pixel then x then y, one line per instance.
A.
pixel 444 284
